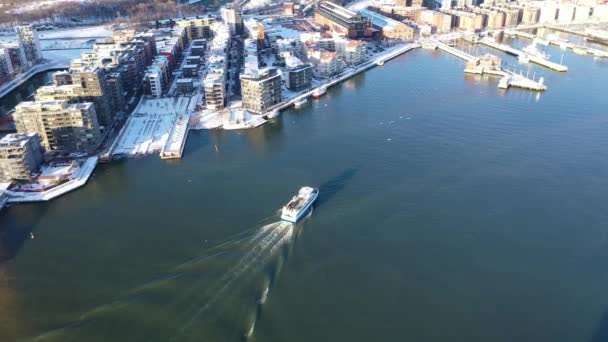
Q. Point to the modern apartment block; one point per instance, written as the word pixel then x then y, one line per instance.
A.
pixel 298 75
pixel 261 89
pixel 20 156
pixel 27 37
pixel 231 15
pixel 196 28
pixel 62 126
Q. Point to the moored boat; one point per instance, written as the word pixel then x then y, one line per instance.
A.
pixel 301 102
pixel 317 93
pixel 299 204
pixel 533 51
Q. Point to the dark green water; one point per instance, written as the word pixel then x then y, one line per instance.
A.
pixel 449 211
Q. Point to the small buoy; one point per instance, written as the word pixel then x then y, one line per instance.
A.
pixel 32 235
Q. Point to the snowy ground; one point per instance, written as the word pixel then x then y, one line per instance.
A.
pixel 148 128
pixel 62 57
pixel 77 178
pixel 234 117
pixel 89 31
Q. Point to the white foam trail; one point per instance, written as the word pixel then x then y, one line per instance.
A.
pixel 258 255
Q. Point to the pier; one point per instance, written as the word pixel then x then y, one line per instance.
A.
pixel 515 52
pixel 174 147
pixel 561 43
pixel 491 65
pixel 454 51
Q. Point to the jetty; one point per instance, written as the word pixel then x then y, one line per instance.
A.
pixel 174 147
pixel 515 52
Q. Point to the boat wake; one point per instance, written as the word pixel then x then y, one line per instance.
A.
pixel 204 298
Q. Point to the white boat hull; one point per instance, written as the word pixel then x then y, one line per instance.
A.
pixel 303 211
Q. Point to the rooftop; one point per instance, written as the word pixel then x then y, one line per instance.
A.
pixel 16 139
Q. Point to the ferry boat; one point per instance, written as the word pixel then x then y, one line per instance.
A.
pixel 299 103
pixel 533 51
pixel 317 93
pixel 299 204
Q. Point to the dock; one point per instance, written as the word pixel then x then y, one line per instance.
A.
pixel 454 51
pixel 519 81
pixel 509 79
pixel 515 52
pixel 174 147
pixel 562 44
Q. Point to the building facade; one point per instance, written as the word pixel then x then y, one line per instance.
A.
pixel 343 21
pixel 261 90
pixel 27 37
pixel 62 126
pixel 231 15
pixel 20 155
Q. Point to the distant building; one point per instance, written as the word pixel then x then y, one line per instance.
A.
pixel 6 66
pixel 61 126
pixel 530 15
pixel 231 15
pixel 288 8
pixel 27 37
pixel 391 29
pixel 565 15
pixel 261 89
pixel 20 156
pixel 342 20
pixel 199 27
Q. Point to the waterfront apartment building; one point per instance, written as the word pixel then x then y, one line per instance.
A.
pixel 62 126
pixel 342 21
pixel 88 84
pixel 231 15
pixel 326 62
pixel 352 51
pixel 20 155
pixel 298 75
pixel 214 86
pixel 261 89
pixel 29 45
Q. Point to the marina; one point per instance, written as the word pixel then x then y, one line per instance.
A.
pixel 532 58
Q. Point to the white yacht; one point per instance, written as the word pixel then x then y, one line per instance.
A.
pixel 299 204
pixel 533 51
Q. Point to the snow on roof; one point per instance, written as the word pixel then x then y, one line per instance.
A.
pixel 16 139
